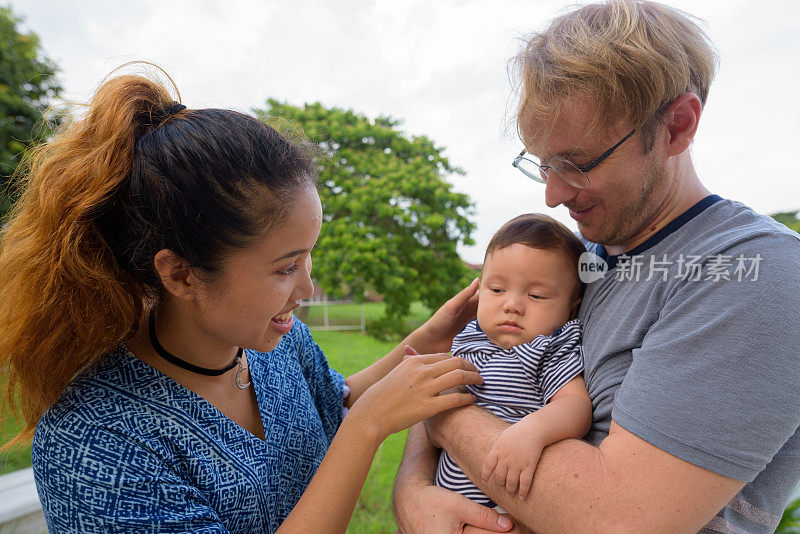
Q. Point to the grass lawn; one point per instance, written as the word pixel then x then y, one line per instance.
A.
pixel 350 314
pixel 347 352
pixel 15 459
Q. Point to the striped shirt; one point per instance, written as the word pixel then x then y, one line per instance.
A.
pixel 516 382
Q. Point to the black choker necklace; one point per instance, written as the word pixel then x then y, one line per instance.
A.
pixel 171 358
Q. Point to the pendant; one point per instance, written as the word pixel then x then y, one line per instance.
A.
pixel 238 378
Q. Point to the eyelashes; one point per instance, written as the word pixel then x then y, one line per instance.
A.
pixel 294 267
pixel 291 270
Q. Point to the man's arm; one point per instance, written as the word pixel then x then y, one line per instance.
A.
pixel 625 484
pixel 449 511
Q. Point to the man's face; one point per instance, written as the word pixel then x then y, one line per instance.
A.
pixel 626 190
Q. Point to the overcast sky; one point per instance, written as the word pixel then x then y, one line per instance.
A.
pixel 441 67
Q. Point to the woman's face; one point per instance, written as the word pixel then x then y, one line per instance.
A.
pixel 251 305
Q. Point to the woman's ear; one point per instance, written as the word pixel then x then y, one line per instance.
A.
pixel 176 275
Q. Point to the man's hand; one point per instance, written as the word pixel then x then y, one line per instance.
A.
pixel 435 510
pixel 518 529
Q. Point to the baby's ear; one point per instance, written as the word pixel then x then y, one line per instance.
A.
pixel 573 311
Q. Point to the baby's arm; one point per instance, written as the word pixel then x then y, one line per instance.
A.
pixel 516 452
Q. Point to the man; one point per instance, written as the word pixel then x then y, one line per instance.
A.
pixel 691 345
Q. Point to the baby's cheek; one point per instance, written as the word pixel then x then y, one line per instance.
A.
pixel 484 314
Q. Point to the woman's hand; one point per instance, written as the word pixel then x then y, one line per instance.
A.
pixel 411 392
pixel 448 320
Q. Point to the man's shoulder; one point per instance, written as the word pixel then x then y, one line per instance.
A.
pixel 731 233
pixel 724 228
pixel 734 221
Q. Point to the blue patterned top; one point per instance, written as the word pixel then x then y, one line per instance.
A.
pixel 128 449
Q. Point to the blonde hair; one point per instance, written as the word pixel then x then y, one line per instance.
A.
pixel 631 57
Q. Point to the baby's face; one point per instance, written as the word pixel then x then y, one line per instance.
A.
pixel 525 292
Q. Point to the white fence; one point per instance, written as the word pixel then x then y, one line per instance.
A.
pixel 324 306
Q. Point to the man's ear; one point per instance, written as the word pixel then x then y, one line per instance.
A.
pixel 681 118
pixel 176 275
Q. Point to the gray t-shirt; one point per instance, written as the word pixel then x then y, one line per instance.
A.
pixel 692 344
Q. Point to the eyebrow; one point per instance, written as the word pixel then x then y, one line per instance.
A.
pixel 569 154
pixel 292 253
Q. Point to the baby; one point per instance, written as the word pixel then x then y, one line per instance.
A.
pixel 526 345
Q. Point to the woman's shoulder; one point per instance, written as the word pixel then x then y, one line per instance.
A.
pixel 115 393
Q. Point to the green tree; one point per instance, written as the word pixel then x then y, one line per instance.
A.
pixel 790 522
pixel 27 87
pixel 391 219
pixel 789 218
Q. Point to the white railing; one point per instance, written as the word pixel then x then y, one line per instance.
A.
pixel 20 509
pixel 325 304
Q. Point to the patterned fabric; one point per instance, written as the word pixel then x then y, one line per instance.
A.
pixel 516 382
pixel 128 449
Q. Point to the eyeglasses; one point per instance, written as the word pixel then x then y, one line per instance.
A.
pixel 564 169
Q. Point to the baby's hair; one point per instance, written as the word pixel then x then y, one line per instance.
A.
pixel 542 232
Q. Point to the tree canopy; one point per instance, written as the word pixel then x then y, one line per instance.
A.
pixel 391 219
pixel 27 86
pixel 789 218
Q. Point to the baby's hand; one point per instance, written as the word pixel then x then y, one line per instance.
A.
pixel 513 458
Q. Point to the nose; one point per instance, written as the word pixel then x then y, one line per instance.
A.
pixel 514 304
pixel 557 191
pixel 305 289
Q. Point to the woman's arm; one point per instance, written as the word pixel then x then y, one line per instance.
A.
pixel 408 394
pixel 328 502
pixel 436 335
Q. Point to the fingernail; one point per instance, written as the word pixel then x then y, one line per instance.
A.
pixel 504 522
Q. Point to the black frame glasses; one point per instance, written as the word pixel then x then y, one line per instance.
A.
pixel 564 169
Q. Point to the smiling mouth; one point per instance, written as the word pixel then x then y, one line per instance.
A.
pixel 283 318
pixel 578 215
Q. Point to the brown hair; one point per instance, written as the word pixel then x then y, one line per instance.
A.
pixel 630 56
pixel 539 231
pixel 135 174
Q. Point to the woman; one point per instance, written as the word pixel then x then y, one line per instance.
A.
pixel 149 273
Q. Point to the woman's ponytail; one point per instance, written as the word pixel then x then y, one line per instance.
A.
pixel 64 300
